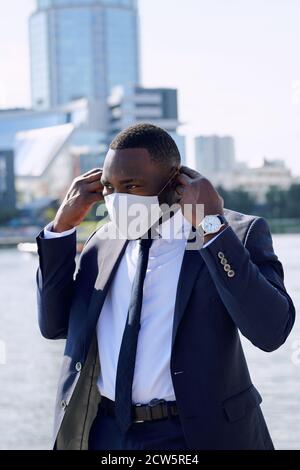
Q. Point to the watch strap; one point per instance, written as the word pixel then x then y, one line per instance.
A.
pixel 222 218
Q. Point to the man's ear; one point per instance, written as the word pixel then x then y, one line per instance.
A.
pixel 176 171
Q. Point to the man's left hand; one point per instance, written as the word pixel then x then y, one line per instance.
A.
pixel 194 189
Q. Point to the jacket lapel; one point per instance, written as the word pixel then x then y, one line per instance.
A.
pixel 109 256
pixel 192 264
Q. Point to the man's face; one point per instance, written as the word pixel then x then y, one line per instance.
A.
pixel 132 171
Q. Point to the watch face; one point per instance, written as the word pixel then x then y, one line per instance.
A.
pixel 211 224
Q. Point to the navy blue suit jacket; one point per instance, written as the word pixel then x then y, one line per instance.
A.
pixel 219 407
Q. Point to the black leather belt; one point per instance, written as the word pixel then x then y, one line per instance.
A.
pixel 155 409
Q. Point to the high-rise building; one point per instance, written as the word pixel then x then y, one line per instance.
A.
pixel 214 155
pixel 82 49
pixel 133 105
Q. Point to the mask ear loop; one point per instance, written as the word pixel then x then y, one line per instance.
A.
pixel 177 171
pixel 168 181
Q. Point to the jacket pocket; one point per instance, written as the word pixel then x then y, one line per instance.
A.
pixel 237 406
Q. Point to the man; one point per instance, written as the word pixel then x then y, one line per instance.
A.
pixel 153 358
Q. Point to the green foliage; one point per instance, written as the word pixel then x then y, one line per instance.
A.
pixel 282 207
pixel 284 203
pixel 49 214
pixel 238 200
pixel 293 201
pixel 276 202
pixel 6 215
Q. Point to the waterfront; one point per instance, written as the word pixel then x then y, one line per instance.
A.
pixel 29 377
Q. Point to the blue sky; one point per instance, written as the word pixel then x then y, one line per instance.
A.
pixel 234 62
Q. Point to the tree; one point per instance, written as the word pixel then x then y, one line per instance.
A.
pixel 293 198
pixel 276 202
pixel 7 214
pixel 238 200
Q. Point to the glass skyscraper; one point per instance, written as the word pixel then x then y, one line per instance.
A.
pixel 82 48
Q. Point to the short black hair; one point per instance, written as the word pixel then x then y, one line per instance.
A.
pixel 160 145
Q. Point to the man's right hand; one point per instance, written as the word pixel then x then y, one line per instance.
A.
pixel 84 191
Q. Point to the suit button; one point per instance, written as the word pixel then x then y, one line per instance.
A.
pixel 223 261
pixel 63 404
pixel 78 366
pixel 227 268
pixel 221 255
pixel 231 273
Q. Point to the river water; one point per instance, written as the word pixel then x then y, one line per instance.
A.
pixel 29 364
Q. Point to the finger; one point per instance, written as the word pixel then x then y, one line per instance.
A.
pixel 93 177
pixel 94 186
pixel 94 171
pixel 183 179
pixel 190 172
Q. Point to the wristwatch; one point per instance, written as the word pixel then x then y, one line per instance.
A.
pixel 213 223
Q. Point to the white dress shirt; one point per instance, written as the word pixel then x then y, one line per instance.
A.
pixel 152 377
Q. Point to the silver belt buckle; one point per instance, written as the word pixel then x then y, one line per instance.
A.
pixel 156 401
pixel 136 420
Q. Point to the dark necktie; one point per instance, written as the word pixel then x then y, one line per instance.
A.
pixel 127 355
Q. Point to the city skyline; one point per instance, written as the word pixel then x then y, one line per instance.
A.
pixel 234 65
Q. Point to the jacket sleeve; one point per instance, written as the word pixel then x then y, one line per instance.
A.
pixel 254 294
pixel 55 280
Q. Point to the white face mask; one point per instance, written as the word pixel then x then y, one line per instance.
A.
pixel 133 215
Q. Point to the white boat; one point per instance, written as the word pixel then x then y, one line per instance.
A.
pixel 27 247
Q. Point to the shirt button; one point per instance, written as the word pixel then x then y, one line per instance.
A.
pixel 227 268
pixel 231 273
pixel 221 255
pixel 78 366
pixel 223 261
pixel 63 404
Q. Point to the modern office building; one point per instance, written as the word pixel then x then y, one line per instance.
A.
pixel 16 120
pixel 47 155
pixel 48 159
pixel 82 49
pixel 214 154
pixel 80 113
pixel 133 105
pixel 258 180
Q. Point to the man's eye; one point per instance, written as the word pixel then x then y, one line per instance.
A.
pixel 132 186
